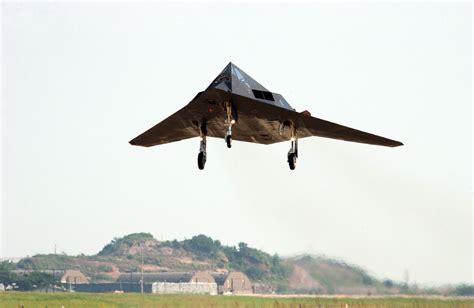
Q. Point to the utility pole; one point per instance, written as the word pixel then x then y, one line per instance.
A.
pixel 141 286
pixel 407 277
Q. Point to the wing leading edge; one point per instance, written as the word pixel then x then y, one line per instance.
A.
pixel 258 123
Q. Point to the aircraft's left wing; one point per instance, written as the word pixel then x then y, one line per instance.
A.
pixel 322 128
pixel 259 123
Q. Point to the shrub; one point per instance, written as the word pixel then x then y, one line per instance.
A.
pixel 105 268
pixel 388 283
pixel 464 290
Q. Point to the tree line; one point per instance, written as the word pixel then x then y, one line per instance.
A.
pixel 27 281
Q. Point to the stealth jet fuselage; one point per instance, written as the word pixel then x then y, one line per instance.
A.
pixel 236 107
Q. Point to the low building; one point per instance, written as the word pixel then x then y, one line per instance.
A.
pixel 199 282
pixel 64 276
pixel 111 287
pixel 73 277
pixel 233 283
pixel 173 277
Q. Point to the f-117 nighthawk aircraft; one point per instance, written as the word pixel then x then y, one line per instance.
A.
pixel 236 107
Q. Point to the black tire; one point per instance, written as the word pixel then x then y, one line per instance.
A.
pixel 291 161
pixel 228 140
pixel 201 160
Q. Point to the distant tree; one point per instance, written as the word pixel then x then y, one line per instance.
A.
pixel 102 277
pixel 118 245
pixel 464 290
pixel 253 255
pixel 26 263
pixel 367 280
pixel 202 246
pixel 6 266
pixel 254 272
pixel 256 264
pixel 175 244
pixel 278 267
pixel 243 247
pixel 7 276
pixel 105 268
pixel 405 288
pixel 282 287
pixel 35 280
pixel 388 283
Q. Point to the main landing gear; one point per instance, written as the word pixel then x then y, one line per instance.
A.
pixel 231 116
pixel 202 156
pixel 293 152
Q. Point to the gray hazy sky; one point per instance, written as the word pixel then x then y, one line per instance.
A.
pixel 80 80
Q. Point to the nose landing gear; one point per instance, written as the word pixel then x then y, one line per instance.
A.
pixel 229 122
pixel 293 155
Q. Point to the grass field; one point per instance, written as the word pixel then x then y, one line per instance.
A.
pixel 66 300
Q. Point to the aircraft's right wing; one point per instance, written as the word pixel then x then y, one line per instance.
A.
pixel 326 129
pixel 184 123
pixel 178 126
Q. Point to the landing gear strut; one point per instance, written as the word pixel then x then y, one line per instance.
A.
pixel 293 152
pixel 202 156
pixel 229 122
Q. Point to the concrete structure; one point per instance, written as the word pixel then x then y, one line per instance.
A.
pixel 174 277
pixel 184 287
pixel 199 282
pixel 111 287
pixel 64 276
pixel 74 277
pixel 202 276
pixel 233 283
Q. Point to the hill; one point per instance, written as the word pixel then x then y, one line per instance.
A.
pixel 306 274
pixel 321 275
